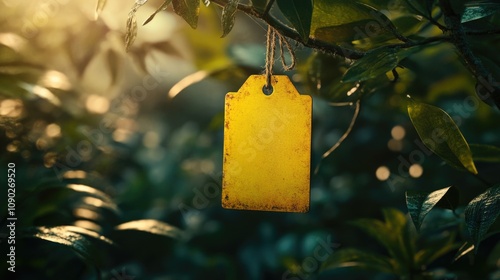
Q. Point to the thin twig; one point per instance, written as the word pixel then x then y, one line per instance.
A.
pixel 343 137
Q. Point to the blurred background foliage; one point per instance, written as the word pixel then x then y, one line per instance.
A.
pixel 118 154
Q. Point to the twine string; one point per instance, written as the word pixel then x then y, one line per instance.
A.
pixel 270 52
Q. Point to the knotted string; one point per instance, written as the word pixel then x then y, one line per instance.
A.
pixel 270 49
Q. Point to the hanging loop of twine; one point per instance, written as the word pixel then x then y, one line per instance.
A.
pixel 270 49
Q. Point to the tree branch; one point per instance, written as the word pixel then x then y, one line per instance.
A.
pixel 459 39
pixel 286 31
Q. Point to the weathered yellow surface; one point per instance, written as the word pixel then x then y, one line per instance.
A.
pixel 267 147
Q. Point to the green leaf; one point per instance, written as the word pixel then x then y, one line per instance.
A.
pixel 392 234
pixel 228 16
pixel 358 259
pixel 188 10
pixel 259 5
pixel 481 213
pixel 152 226
pixel 347 21
pixel 420 203
pixel 99 8
pixel 435 249
pixel 375 63
pixel 162 7
pixel 475 10
pixel 485 153
pixel 440 134
pixel 299 13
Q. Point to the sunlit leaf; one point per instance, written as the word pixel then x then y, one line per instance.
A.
pixel 475 10
pixel 299 13
pixel 346 21
pixel 435 249
pixel 162 7
pixel 229 16
pixel 76 238
pixel 99 8
pixel 420 203
pixel 391 233
pixel 376 63
pixel 356 258
pixel 481 213
pixel 131 32
pixel 440 134
pixel 485 153
pixel 188 10
pixel 152 226
pixel 466 248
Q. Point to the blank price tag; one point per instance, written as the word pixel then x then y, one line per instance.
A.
pixel 267 147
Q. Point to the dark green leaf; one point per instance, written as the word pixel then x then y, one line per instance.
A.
pixel 358 259
pixel 392 234
pixel 153 227
pixel 481 213
pixel 299 13
pixel 73 237
pixel 259 5
pixel 375 63
pixel 475 10
pixel 435 249
pixel 188 10
pixel 228 16
pixel 485 153
pixel 99 8
pixel 162 7
pixel 421 203
pixel 440 134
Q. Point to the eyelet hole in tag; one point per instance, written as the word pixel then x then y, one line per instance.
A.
pixel 267 90
pixel 267 147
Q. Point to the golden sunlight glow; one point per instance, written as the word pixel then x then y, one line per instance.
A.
pixel 416 170
pixel 55 79
pixel 353 90
pixel 96 202
pixel 88 225
pixel 398 132
pixel 151 139
pixel 86 189
pixel 12 40
pixel 13 147
pixel 43 93
pixel 75 174
pixel 49 159
pixel 382 173
pixel 53 130
pixel 86 214
pixel 121 135
pixel 186 82
pixel 11 108
pixel 97 104
pixel 395 145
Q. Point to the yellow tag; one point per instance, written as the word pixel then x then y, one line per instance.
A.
pixel 267 147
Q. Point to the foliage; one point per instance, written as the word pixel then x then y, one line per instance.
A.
pixel 116 132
